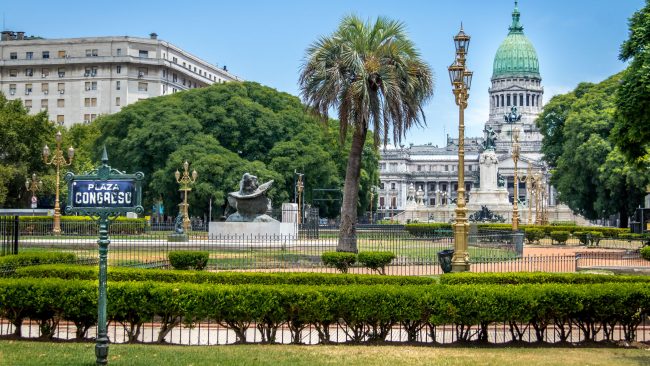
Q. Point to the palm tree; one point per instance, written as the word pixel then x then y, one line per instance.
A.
pixel 373 75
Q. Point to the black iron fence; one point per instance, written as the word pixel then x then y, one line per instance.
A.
pixel 9 234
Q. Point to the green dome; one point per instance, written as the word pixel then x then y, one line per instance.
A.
pixel 516 56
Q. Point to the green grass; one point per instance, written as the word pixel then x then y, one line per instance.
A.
pixel 72 354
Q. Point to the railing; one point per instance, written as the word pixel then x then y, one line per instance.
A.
pixel 9 234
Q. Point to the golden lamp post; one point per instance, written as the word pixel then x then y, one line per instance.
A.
pixel 33 185
pixel 530 191
pixel 461 81
pixel 300 186
pixel 185 182
pixel 57 160
pixel 515 157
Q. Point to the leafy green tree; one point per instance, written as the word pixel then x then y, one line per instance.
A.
pixel 632 130
pixel 373 75
pixel 22 137
pixel 590 174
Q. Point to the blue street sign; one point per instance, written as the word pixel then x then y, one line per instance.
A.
pixel 106 193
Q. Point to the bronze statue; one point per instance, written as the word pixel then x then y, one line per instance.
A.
pixel 513 116
pixel 178 223
pixel 250 201
pixel 490 138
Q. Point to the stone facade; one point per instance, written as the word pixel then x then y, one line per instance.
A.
pixel 78 79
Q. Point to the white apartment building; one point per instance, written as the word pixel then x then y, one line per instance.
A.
pixel 78 79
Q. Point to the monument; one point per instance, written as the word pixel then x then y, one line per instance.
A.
pixel 250 219
pixel 489 193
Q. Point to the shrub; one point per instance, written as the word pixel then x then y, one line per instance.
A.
pixel 339 260
pixel 518 278
pixel 78 272
pixel 188 259
pixel 10 262
pixel 582 236
pixel 645 252
pixel 377 261
pixel 533 235
pixel 595 236
pixel 560 236
pixel 422 230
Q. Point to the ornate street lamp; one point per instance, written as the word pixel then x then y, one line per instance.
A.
pixel 530 191
pixel 373 191
pixel 300 186
pixel 515 157
pixel 461 81
pixel 58 160
pixel 185 182
pixel 33 185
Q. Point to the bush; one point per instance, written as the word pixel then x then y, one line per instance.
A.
pixel 519 278
pixel 9 262
pixel 339 260
pixel 188 259
pixel 560 236
pixel 429 230
pixel 377 261
pixel 595 236
pixel 78 272
pixel 533 235
pixel 645 252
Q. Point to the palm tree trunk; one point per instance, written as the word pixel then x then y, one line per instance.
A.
pixel 348 231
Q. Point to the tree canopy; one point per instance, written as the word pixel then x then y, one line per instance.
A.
pixel 224 131
pixel 632 130
pixel 588 170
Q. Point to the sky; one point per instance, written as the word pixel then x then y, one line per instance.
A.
pixel 265 41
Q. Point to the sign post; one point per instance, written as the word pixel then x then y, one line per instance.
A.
pixel 104 193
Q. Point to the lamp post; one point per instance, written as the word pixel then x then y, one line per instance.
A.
pixel 300 186
pixel 461 81
pixel 529 191
pixel 373 190
pixel 58 160
pixel 33 185
pixel 185 182
pixel 515 158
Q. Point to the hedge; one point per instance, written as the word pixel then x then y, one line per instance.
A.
pixel 339 260
pixel 80 225
pixel 34 258
pixel 377 261
pixel 119 274
pixel 365 313
pixel 188 259
pixel 430 229
pixel 560 236
pixel 518 278
pixel 645 252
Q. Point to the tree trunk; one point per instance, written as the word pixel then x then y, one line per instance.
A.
pixel 348 231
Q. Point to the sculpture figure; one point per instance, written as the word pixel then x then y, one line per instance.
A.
pixel 513 116
pixel 178 223
pixel 490 138
pixel 250 201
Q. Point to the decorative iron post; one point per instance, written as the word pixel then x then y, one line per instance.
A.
pixel 515 158
pixel 58 160
pixel 461 81
pixel 104 193
pixel 185 182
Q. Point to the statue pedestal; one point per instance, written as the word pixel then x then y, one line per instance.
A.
pixel 177 237
pixel 259 231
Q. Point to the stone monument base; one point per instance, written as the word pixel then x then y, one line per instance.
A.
pixel 489 197
pixel 177 238
pixel 253 230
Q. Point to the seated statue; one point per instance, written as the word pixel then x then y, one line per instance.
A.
pixel 250 201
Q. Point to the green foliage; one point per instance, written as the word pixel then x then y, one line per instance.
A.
pixel 224 131
pixel 632 130
pixel 576 129
pixel 366 313
pixel 79 272
pixel 428 230
pixel 560 236
pixel 533 235
pixel 645 252
pixel 382 89
pixel 188 259
pixel 520 278
pixel 339 260
pixel 30 259
pixel 377 261
pixel 437 229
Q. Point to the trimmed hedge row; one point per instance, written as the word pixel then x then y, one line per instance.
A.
pixel 645 252
pixel 518 278
pixel 188 259
pixel 29 259
pixel 432 229
pixel 119 274
pixel 366 313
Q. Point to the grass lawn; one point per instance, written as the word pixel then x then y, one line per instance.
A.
pixel 41 353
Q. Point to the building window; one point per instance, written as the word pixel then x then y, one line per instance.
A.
pixel 142 72
pixel 118 69
pixel 28 104
pixel 28 89
pixel 61 72
pixel 29 71
pixel 90 71
pixel 90 102
pixel 12 89
pixel 119 52
pixel 174 78
pixel 175 60
pixel 446 168
pixel 508 100
pixel 43 103
pixel 117 85
pixel 45 88
pixel 117 101
pixel 13 55
pixel 60 119
pixel 29 55
pixel 13 73
pixel 61 54
pixel 92 52
pixel 61 88
pixel 183 81
pixel 46 54
pixel 91 85
pixel 143 86
pixel 143 54
pixel 60 103
pixel 45 72
pixel 419 168
pixel 183 64
pixel 521 99
pixel 392 186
